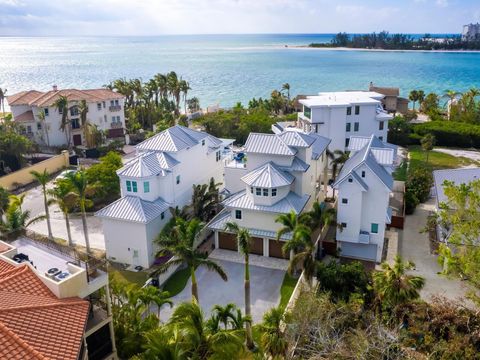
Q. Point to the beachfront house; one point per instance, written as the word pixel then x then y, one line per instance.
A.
pixel 392 101
pixel 364 188
pixel 54 305
pixel 341 115
pixel 42 122
pixel 159 177
pixel 278 173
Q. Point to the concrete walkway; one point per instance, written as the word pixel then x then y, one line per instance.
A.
pixel 414 246
pixel 255 260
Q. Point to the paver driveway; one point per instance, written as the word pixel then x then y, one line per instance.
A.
pixel 265 289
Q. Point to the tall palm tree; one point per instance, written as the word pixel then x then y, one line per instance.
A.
pixel 193 104
pixel 393 286
pixel 84 123
pixel 184 87
pixel 61 104
pixel 3 93
pixel 205 200
pixel 272 338
pixel 413 96
pixel 62 196
pixel 286 87
pixel 15 220
pixel 452 96
pixel 244 241
pixel 43 178
pixel 41 117
pixel 174 89
pixel 181 243
pixel 162 85
pixel 152 295
pixel 304 256
pixel 337 159
pixel 79 186
pixel 297 225
pixel 225 314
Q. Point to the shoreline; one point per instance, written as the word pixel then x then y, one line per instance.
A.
pixel 306 47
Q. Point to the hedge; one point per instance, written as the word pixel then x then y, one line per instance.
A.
pixel 448 133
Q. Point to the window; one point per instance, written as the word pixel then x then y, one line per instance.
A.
pixel 374 229
pixel 265 192
pixel 116 102
pixel 203 142
pixel 349 127
pixel 218 156
pixel 251 189
pixel 344 201
pixel 357 109
pixel 344 225
pixel 118 119
pixel 274 192
pixel 162 215
pixel 111 103
pixel 380 138
pixel 129 185
pixel 146 187
pixel 29 129
pixel 74 111
pixel 349 110
pixel 178 179
pixel 99 106
pixel 134 186
pixel 103 103
pixel 45 111
pixel 105 118
pixel 75 124
pixel 113 119
pixel 347 141
pixel 356 126
pixel 39 126
pixel 363 173
pixel 380 125
pixel 238 214
pixel 307 112
pixel 350 180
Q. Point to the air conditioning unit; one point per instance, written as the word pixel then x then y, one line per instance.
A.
pixel 52 272
pixel 62 276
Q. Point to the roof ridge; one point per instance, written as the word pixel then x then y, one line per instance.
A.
pixel 26 346
pixel 15 272
pixel 56 303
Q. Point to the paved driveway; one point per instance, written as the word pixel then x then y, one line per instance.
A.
pixel 265 289
pixel 415 246
pixel 34 202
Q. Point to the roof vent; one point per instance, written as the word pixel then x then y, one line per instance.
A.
pixel 55 88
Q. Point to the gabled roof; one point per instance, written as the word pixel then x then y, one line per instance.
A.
pixel 384 152
pixel 132 208
pixel 177 138
pixel 148 164
pixel 23 97
pixel 296 138
pixel 269 144
pixel 297 165
pixel 241 200
pixel 458 176
pixel 34 323
pixel 356 178
pixel 268 176
pixel 319 146
pixel 27 116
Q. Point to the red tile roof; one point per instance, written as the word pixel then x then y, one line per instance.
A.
pixel 27 116
pixel 34 323
pixel 47 98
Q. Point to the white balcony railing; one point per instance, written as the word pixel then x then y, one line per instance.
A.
pixel 115 108
pixel 364 237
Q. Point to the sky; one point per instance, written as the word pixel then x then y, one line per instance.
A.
pixel 157 17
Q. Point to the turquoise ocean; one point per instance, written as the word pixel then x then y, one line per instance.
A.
pixel 226 69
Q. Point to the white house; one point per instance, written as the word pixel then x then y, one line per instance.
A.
pixel 364 186
pixel 341 115
pixel 105 110
pixel 159 177
pixel 283 172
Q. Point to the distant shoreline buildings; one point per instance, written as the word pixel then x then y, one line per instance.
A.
pixel 471 32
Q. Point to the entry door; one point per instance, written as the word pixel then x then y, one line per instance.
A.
pixel 77 140
pixel 135 257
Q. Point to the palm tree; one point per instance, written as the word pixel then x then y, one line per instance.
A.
pixel 420 97
pixel 337 159
pixel 181 243
pixel 79 186
pixel 43 178
pixel 272 338
pixel 152 295
pixel 162 85
pixel 4 200
pixel 174 89
pixel 193 104
pixel 452 96
pixel 413 96
pixel 205 200
pixel 65 199
pixel 184 87
pixel 3 92
pixel 41 117
pixel 286 87
pixel 82 111
pixel 61 104
pixel 15 220
pixel 428 142
pixel 393 286
pixel 244 241
pixel 296 225
pixel 225 314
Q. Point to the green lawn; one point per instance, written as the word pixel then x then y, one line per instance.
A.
pixel 288 285
pixel 133 277
pixel 400 173
pixel 436 160
pixel 177 282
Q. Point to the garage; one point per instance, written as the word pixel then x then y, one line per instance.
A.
pixel 275 249
pixel 256 246
pixel 227 241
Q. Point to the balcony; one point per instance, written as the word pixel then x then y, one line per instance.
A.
pixel 364 237
pixel 114 108
pixel 97 318
pixel 116 125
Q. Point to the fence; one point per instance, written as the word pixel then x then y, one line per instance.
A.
pixel 23 177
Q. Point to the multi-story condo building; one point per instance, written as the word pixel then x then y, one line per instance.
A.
pixel 341 115
pixel 159 177
pixel 471 32
pixel 364 187
pixel 53 305
pixel 105 110
pixel 282 173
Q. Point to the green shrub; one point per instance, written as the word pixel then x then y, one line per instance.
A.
pixel 411 202
pixel 448 133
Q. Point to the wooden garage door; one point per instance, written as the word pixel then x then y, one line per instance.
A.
pixel 275 249
pixel 227 241
pixel 256 246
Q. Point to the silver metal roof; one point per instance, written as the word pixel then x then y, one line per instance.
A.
pixel 270 144
pixel 295 138
pixel 220 221
pixel 148 164
pixel 458 176
pixel 297 165
pixel 131 208
pixel 177 138
pixel 384 152
pixel 268 176
pixel 292 201
pixel 319 146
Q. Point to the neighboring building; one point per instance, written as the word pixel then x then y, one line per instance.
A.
pixel 282 173
pixel 392 102
pixel 340 115
pixel 49 305
pixel 159 177
pixel 471 32
pixel 364 187
pixel 105 110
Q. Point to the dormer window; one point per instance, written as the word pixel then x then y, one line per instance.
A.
pixel 265 192
pixel 274 192
pixel 203 142
pixel 238 214
pixel 251 189
pixel 258 191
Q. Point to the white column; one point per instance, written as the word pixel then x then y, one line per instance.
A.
pixel 265 247
pixel 216 240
